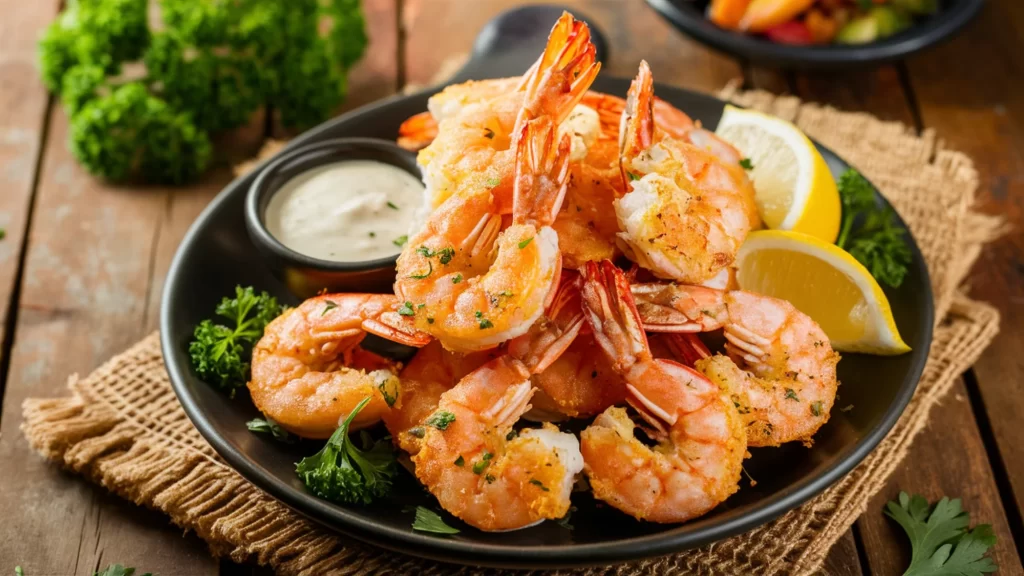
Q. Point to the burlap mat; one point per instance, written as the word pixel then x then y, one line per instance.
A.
pixel 122 427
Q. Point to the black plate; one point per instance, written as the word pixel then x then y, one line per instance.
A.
pixel 217 254
pixel 688 17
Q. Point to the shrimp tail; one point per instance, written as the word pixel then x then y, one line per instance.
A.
pixel 612 315
pixel 541 171
pixel 417 131
pixel 636 131
pixel 562 75
pixel 688 348
pixel 393 326
pixel 545 342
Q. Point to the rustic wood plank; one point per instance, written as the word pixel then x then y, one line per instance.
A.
pixel 948 459
pixel 876 91
pixel 969 92
pixel 436 30
pixel 23 105
pixel 84 290
pixel 842 559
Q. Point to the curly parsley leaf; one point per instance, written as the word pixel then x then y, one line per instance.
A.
pixel 428 521
pixel 940 539
pixel 268 426
pixel 220 352
pixel 878 244
pixel 343 473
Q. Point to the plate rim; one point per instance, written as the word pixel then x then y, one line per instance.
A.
pixel 475 553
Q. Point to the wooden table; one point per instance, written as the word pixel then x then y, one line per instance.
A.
pixel 83 264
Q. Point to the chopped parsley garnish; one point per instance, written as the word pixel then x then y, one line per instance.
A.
pixel 511 434
pixel 406 309
pixel 328 306
pixel 746 164
pixel 392 205
pixel 525 243
pixel 390 393
pixel 428 521
pixel 440 419
pixel 460 461
pixel 791 394
pixel 268 426
pixel 536 482
pixel 430 320
pixel 492 182
pixel 430 270
pixel 401 240
pixel 488 133
pixel 445 254
pixel 489 478
pixel 373 234
pixel 457 278
pixel 417 431
pixel 632 177
pixel 879 244
pixel 816 408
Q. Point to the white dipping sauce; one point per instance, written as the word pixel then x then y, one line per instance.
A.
pixel 348 211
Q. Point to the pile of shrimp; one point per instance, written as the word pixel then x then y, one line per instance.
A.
pixel 535 187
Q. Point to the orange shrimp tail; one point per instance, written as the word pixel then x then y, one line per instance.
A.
pixel 562 75
pixel 688 348
pixel 637 131
pixel 546 341
pixel 541 171
pixel 417 131
pixel 611 313
pixel 397 328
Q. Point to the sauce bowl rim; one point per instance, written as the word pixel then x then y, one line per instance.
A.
pixel 318 154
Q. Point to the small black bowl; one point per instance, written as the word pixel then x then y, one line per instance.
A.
pixel 688 16
pixel 305 275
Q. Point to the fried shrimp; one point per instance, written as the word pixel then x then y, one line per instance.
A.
pixel 471 284
pixel 475 147
pixel 780 369
pixel 687 211
pixel 701 440
pixel 308 371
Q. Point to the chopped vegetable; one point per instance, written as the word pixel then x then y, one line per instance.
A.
pixel 428 521
pixel 268 426
pixel 525 243
pixel 878 244
pixel 144 96
pixel 345 474
pixel 793 32
pixel 940 540
pixel 440 419
pixel 220 354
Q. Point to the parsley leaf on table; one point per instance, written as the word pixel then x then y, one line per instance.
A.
pixel 220 353
pixel 118 570
pixel 878 243
pixel 428 521
pixel 343 473
pixel 942 544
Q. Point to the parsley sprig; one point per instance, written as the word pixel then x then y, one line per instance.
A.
pixel 878 243
pixel 941 541
pixel 268 426
pixel 220 352
pixel 342 472
pixel 429 521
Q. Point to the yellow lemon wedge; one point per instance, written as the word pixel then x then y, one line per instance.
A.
pixel 794 187
pixel 824 282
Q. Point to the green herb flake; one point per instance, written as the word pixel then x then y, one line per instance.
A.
pixel 417 431
pixel 791 395
pixel 112 570
pixel 816 408
pixel 746 164
pixel 564 520
pixel 489 478
pixel 430 270
pixel 446 255
pixel 511 434
pixel 373 234
pixel 485 324
pixel 406 309
pixel 440 419
pixel 400 241
pixel 389 389
pixel 392 205
pixel 492 182
pixel 488 133
pixel 525 243
pixel 18 570
pixel 536 482
pixel 457 278
pixel 460 461
pixel 268 426
pixel 328 306
pixel 430 320
pixel 487 456
pixel 633 177
pixel 428 521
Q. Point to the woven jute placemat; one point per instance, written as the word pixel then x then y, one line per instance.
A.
pixel 123 428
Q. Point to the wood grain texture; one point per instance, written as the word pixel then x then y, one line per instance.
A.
pixel 23 105
pixel 948 459
pixel 970 92
pixel 842 559
pixel 83 299
pixel 436 30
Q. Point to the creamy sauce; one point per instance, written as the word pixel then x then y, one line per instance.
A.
pixel 346 212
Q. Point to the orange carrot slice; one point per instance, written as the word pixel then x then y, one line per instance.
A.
pixel 727 13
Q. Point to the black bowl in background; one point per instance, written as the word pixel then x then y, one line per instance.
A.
pixel 305 275
pixel 688 16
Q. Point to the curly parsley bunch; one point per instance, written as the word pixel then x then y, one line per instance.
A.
pixel 144 101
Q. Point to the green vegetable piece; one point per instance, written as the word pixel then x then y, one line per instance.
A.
pixel 457 278
pixel 220 353
pixel 118 570
pixel 428 521
pixel 890 21
pixel 406 309
pixel 525 243
pixel 268 426
pixel 940 540
pixel 440 419
pixel 345 474
pixel 19 571
pixel 860 30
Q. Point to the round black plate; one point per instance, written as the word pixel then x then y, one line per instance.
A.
pixel 688 17
pixel 217 254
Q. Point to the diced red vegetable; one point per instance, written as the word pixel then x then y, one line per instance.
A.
pixel 792 32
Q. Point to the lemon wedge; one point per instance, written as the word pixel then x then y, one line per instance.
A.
pixel 794 187
pixel 824 282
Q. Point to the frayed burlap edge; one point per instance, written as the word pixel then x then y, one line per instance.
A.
pixel 123 428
